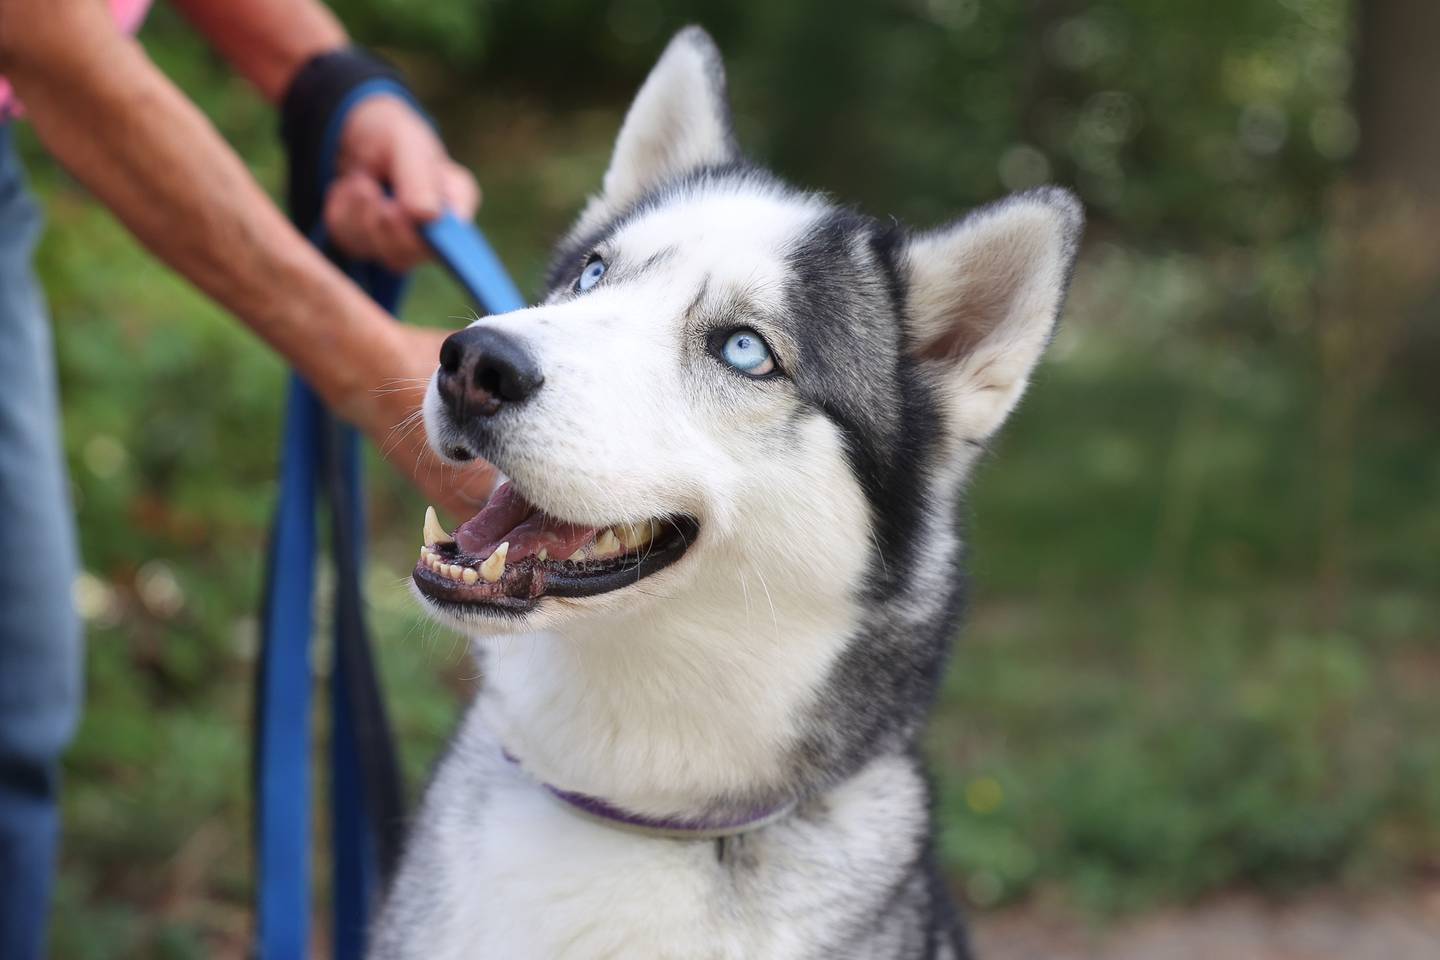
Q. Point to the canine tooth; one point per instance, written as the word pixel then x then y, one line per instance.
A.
pixel 607 542
pixel 469 575
pixel 635 535
pixel 492 568
pixel 543 555
pixel 434 533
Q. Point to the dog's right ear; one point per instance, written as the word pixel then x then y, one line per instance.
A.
pixel 680 120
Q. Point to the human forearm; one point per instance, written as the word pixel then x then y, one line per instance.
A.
pixel 266 40
pixel 110 117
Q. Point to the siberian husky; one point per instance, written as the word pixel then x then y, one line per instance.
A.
pixel 713 601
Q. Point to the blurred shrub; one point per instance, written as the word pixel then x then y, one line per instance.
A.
pixel 1152 699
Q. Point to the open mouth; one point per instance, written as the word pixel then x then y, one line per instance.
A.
pixel 511 554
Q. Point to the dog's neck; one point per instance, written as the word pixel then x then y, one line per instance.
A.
pixel 659 712
pixel 711 827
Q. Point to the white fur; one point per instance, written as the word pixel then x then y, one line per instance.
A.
pixel 784 533
pixel 523 877
pixel 690 688
pixel 678 122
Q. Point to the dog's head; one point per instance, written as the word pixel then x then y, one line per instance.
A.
pixel 738 420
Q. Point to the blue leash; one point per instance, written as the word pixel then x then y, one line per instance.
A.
pixel 365 790
pixel 465 252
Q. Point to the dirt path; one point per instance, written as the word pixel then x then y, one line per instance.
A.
pixel 1319 927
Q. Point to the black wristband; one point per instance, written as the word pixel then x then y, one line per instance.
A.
pixel 318 89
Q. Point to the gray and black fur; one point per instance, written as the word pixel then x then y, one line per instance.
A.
pixel 912 347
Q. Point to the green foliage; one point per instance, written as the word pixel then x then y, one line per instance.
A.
pixel 1148 704
pixel 1156 695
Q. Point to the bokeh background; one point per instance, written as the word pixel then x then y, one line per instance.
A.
pixel 1199 686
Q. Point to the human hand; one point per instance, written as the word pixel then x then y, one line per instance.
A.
pixel 386 144
pixel 389 414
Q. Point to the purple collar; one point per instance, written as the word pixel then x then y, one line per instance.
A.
pixel 607 814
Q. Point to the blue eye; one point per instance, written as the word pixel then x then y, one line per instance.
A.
pixel 746 351
pixel 591 275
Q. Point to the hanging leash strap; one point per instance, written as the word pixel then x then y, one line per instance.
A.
pixel 320 453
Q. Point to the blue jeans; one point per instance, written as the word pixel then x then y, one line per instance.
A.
pixel 40 637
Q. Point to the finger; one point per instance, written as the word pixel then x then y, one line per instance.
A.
pixel 398 241
pixel 462 193
pixel 346 215
pixel 415 178
pixel 380 234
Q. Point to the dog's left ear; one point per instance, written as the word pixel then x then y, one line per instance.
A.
pixel 984 294
pixel 680 121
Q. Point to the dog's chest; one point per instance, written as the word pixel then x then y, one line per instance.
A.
pixel 548 884
pixel 499 868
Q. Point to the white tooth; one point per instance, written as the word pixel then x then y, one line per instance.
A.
pixel 577 556
pixel 633 535
pixel 607 543
pixel 492 568
pixel 434 533
pixel 543 555
pixel 456 571
pixel 469 575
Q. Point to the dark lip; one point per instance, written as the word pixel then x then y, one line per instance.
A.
pixel 549 578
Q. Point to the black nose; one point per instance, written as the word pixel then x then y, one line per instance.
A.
pixel 482 369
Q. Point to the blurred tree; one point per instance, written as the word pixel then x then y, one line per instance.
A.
pixel 1384 278
pixel 1397 86
pixel 1223 121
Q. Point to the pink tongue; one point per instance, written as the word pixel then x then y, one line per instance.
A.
pixel 507 516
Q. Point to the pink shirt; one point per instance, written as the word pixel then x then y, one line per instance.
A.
pixel 128 16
